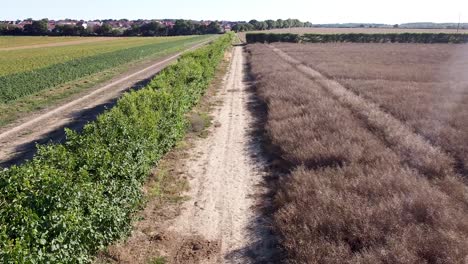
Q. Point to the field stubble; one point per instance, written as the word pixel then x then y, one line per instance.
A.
pixel 361 190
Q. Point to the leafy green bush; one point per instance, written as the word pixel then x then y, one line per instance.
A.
pixel 271 37
pixel 72 199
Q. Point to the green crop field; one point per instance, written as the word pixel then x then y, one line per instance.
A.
pixel 27 71
pixel 10 42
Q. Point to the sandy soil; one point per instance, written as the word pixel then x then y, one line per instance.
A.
pixel 17 141
pixel 59 44
pixel 225 179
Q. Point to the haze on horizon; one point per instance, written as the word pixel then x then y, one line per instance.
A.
pixel 319 12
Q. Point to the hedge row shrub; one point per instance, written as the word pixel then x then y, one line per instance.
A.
pixel 360 38
pixel 75 198
pixel 271 37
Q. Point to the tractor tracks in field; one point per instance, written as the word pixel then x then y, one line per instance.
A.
pixel 416 151
pixel 18 140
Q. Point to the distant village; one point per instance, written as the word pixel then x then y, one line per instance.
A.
pixel 121 24
pixel 140 27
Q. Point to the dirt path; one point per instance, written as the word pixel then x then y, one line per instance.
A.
pixel 17 141
pixel 224 181
pixel 59 44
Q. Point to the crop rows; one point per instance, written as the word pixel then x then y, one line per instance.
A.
pixel 15 86
pixel 362 187
pixel 432 79
pixel 74 198
pixel 25 60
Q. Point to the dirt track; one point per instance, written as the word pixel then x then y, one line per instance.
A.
pixel 224 180
pixel 17 141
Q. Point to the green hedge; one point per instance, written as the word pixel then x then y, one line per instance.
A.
pixel 72 199
pixel 271 37
pixel 360 38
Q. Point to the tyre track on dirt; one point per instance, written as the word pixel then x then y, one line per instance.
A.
pixel 417 152
pixel 224 181
pixel 19 139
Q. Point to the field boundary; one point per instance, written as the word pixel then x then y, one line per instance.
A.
pixel 428 38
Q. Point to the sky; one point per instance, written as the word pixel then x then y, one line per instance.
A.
pixel 318 12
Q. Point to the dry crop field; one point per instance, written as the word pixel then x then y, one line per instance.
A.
pixel 374 136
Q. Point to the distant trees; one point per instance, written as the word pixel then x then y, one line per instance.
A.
pixel 37 28
pixel 242 27
pixel 104 30
pixel 180 28
pixel 269 24
pixel 138 28
pixel 69 30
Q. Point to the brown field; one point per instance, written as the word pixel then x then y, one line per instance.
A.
pixel 374 135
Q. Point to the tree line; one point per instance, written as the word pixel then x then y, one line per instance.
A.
pixel 359 38
pixel 181 27
pixel 269 24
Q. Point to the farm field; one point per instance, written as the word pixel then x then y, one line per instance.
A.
pixel 32 79
pixel 20 41
pixel 424 86
pixel 374 137
pixel 25 72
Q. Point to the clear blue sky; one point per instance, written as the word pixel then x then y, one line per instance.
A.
pixel 323 11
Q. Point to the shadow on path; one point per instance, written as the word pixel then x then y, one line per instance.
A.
pixel 264 246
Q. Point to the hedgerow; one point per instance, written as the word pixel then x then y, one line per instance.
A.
pixel 15 86
pixel 74 198
pixel 272 37
pixel 359 38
